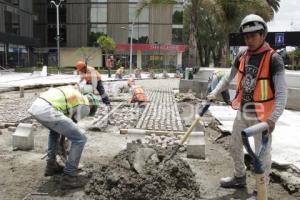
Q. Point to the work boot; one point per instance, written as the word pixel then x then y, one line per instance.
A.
pixel 254 196
pixel 53 168
pixel 71 181
pixel 233 182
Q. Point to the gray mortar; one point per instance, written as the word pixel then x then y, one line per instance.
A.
pixel 172 180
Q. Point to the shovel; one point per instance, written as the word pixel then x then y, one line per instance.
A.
pixel 258 169
pixel 189 131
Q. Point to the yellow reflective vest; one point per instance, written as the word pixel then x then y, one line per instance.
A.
pixel 65 97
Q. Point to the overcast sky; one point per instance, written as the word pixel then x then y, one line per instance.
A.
pixel 287 18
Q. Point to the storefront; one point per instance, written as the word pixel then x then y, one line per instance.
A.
pixel 151 55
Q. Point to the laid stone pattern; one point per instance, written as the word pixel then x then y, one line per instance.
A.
pixel 15 109
pixel 161 113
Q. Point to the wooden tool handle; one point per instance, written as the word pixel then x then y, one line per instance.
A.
pixel 261 187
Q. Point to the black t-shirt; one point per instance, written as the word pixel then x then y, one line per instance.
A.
pixel 251 69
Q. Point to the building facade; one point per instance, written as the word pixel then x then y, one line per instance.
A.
pixel 157 31
pixel 16 33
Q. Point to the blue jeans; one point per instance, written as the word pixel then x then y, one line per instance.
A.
pixel 58 124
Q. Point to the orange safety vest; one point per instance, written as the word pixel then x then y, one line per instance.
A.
pixel 88 75
pixel 119 71
pixel 138 94
pixel 263 95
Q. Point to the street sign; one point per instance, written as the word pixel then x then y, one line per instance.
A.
pixel 279 39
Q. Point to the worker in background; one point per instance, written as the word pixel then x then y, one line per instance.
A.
pixel 109 64
pixel 90 75
pixel 137 92
pixel 261 95
pixel 120 73
pixel 213 81
pixel 138 73
pixel 58 109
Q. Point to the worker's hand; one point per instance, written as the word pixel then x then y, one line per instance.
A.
pixel 271 125
pixel 211 97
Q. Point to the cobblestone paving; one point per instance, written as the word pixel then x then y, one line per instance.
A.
pixel 161 113
pixel 15 109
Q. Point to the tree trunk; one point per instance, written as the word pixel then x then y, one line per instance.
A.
pixel 192 36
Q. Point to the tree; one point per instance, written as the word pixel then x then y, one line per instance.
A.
pixel 106 44
pixel 215 19
pixel 86 53
pixel 148 3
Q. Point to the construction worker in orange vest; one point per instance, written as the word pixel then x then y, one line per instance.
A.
pixel 109 64
pixel 120 73
pixel 138 94
pixel 261 95
pixel 91 76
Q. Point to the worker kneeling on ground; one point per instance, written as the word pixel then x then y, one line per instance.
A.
pixel 120 73
pixel 213 81
pixel 59 109
pixel 91 76
pixel 138 94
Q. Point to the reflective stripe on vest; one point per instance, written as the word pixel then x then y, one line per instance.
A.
pixel 88 75
pixel 263 95
pixel 64 98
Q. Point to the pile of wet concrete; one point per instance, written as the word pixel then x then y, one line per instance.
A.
pixel 138 173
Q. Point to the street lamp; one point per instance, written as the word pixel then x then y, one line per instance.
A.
pixel 130 55
pixel 57 5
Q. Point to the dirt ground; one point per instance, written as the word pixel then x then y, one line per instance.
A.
pixel 21 172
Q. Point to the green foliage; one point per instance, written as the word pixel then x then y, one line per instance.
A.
pixel 215 19
pixel 178 17
pixel 93 36
pixel 297 52
pixel 147 3
pixel 106 43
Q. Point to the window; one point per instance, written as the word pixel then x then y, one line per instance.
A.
pixel 177 17
pixel 52 35
pixel 99 1
pixel 98 13
pixel 140 34
pixel 12 23
pixel 143 17
pixel 177 34
pixel 95 31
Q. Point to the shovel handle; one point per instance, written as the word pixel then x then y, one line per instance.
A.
pixel 205 108
pixel 251 131
pixel 195 122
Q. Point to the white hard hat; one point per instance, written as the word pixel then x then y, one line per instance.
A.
pixel 253 23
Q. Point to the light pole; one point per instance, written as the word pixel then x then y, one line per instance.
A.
pixel 57 5
pixel 130 55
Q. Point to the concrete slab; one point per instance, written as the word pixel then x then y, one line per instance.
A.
pixel 23 138
pixel 196 145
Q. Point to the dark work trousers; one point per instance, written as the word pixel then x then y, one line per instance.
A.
pixel 109 73
pixel 102 93
pixel 226 96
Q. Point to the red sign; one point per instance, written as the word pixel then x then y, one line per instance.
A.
pixel 152 47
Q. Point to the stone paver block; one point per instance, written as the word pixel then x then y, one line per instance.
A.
pixel 133 135
pixel 23 138
pixel 196 145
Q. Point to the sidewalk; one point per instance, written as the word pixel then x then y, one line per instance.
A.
pixel 12 80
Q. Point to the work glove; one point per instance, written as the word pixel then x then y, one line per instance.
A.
pixel 211 97
pixel 271 125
